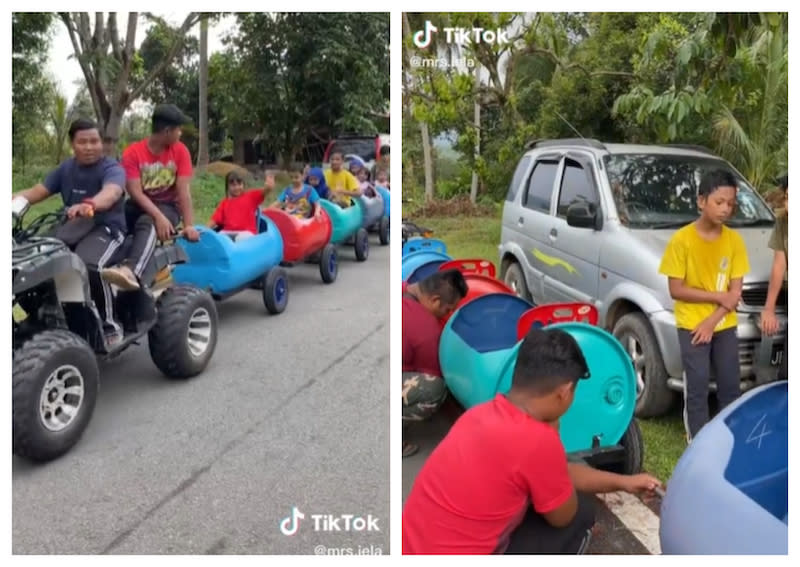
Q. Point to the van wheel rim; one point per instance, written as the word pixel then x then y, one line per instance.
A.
pixel 634 349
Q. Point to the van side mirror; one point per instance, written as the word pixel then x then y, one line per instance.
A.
pixel 582 215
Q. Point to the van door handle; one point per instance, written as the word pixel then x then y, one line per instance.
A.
pixel 553 234
pixel 521 220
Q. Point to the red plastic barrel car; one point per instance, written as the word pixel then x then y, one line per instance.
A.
pixel 307 237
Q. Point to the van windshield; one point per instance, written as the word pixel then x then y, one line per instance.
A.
pixel 660 191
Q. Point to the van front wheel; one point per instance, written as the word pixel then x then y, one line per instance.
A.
pixel 653 396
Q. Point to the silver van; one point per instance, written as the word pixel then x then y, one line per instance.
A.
pixel 587 221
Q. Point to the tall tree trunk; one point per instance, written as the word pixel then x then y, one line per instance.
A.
pixel 428 160
pixel 423 126
pixel 473 190
pixel 202 143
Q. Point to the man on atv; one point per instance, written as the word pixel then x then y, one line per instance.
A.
pixel 91 187
pixel 158 170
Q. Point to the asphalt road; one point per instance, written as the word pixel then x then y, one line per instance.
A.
pixel 624 525
pixel 293 410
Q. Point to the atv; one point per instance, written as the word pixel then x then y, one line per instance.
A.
pixel 58 338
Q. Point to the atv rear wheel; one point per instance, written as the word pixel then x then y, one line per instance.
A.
pixel 54 390
pixel 184 337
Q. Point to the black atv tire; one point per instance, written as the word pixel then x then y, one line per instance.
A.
pixel 362 244
pixel 33 364
pixel 328 264
pixel 275 292
pixel 383 231
pixel 168 340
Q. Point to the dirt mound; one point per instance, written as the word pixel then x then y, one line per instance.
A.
pixel 222 168
pixel 456 207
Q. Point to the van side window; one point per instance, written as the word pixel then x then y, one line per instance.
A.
pixel 519 175
pixel 577 186
pixel 540 186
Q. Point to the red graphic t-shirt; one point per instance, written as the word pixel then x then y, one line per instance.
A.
pixel 475 488
pixel 158 173
pixel 239 213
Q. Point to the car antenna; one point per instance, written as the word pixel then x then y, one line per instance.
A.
pixel 570 125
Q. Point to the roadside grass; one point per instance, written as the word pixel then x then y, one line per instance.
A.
pixel 207 191
pixel 478 237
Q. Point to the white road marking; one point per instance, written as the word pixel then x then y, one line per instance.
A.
pixel 638 518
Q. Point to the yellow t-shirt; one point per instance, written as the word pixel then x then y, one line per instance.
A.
pixel 341 180
pixel 706 265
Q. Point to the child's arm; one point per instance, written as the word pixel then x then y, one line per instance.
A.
pixel 269 184
pixel 703 333
pixel 680 291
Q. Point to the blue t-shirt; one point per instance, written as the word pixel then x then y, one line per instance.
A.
pixel 77 182
pixel 299 202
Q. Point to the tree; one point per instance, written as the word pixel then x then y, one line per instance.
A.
pixel 110 66
pixel 308 73
pixel 202 148
pixel 30 88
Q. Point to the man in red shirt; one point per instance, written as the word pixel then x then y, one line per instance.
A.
pixel 157 171
pixel 424 303
pixel 499 482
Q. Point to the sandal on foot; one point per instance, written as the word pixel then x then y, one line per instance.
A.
pixel 409 449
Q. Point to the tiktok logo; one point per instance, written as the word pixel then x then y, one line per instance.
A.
pixel 423 38
pixel 290 524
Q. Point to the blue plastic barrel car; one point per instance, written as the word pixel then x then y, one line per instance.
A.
pixel 224 267
pixel 729 493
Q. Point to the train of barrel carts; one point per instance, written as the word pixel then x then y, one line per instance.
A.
pixel 57 350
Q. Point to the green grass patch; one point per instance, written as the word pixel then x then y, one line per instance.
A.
pixel 478 237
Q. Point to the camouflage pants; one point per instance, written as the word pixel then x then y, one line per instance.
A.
pixel 422 395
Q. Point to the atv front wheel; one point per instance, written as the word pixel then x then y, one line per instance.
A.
pixel 184 337
pixel 54 390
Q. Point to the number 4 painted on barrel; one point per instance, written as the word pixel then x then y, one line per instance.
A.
pixel 761 433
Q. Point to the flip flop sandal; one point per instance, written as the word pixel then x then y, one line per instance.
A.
pixel 409 449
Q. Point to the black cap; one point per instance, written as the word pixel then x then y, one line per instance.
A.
pixel 170 114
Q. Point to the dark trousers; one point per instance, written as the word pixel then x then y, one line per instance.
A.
pixel 535 536
pixel 783 370
pixel 720 355
pixel 96 249
pixel 144 233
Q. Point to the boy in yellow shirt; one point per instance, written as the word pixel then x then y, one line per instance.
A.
pixel 341 182
pixel 705 262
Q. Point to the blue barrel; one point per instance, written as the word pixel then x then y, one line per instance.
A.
pixel 478 350
pixel 729 493
pixel 419 265
pixel 220 265
pixel 420 244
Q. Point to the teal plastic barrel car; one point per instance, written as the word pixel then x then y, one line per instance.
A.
pixel 477 353
pixel 347 226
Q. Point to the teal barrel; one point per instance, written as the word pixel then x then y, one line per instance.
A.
pixel 345 221
pixel 478 350
pixel 419 265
